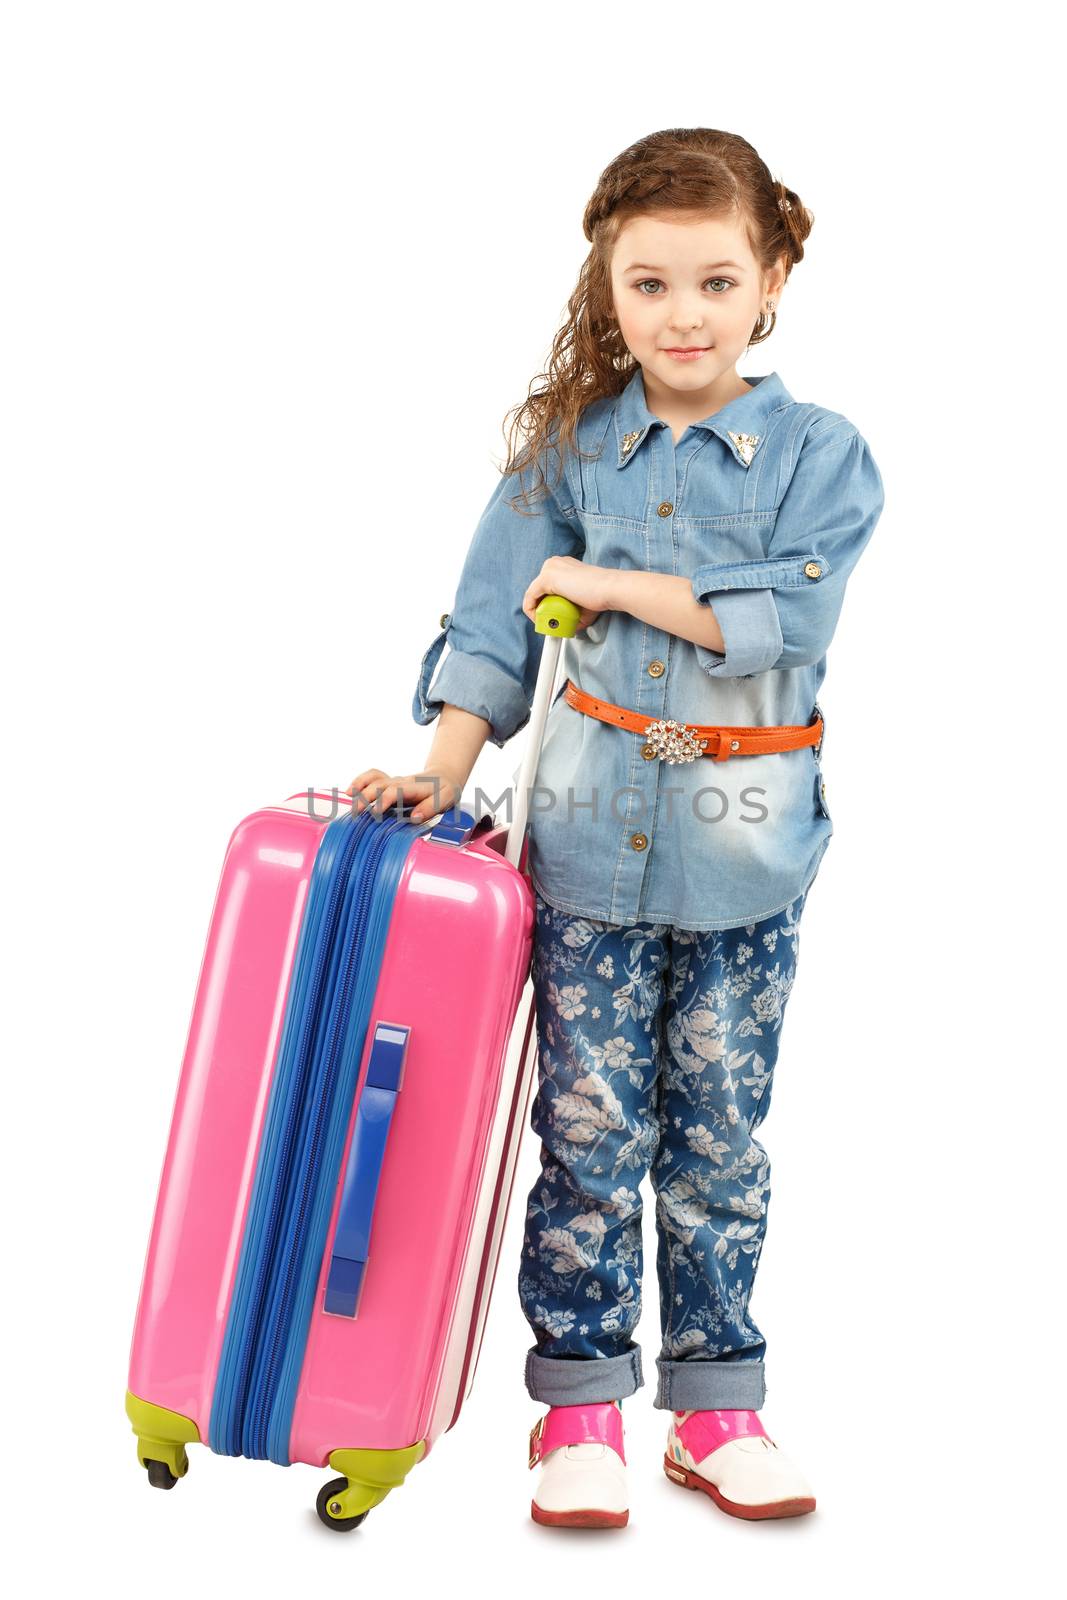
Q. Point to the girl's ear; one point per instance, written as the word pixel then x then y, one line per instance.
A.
pixel 775 279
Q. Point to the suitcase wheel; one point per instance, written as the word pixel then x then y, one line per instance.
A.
pixel 159 1475
pixel 327 1498
pixel 162 1436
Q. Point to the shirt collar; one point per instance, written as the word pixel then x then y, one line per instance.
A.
pixel 741 424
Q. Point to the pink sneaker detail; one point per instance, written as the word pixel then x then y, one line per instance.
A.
pixel 585 1424
pixel 704 1431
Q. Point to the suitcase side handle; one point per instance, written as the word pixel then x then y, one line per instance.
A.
pixel 351 1243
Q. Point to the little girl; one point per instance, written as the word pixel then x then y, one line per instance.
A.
pixel 705 524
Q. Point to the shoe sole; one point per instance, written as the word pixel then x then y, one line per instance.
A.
pixel 578 1519
pixel 796 1507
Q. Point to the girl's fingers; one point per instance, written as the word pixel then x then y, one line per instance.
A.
pixel 426 808
pixel 364 778
pixel 375 789
pixel 370 788
pixel 383 797
pixel 449 797
pixel 362 798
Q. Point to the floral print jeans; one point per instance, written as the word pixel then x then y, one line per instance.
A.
pixel 656 1048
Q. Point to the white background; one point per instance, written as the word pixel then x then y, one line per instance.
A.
pixel 273 276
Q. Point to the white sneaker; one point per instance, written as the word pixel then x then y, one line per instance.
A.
pixel 582 1483
pixel 728 1455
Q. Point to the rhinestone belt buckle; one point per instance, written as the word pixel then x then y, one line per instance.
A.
pixel 674 741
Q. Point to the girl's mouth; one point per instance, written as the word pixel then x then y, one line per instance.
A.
pixel 690 354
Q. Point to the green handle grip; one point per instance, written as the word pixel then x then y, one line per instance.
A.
pixel 554 614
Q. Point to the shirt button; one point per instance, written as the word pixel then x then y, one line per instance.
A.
pixel 656 669
pixel 650 752
pixel 444 619
pixel 666 508
pixel 639 841
pixel 812 569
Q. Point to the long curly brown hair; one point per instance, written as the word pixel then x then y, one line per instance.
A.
pixel 691 171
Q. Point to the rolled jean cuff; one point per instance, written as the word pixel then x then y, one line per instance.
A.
pixel 710 1385
pixel 557 1381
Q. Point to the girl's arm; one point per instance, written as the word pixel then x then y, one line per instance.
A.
pixel 668 603
pixel 656 597
pixel 781 611
pixel 490 670
pixel 457 744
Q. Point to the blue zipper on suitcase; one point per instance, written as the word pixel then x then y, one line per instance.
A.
pixel 293 1225
pixel 342 937
pixel 316 951
pixel 373 884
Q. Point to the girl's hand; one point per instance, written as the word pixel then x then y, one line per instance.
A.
pixel 588 587
pixel 376 789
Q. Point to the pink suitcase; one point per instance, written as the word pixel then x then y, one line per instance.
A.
pixel 344 1139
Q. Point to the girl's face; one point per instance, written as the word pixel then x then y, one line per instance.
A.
pixel 692 285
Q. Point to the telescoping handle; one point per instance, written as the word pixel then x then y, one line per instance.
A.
pixel 557 618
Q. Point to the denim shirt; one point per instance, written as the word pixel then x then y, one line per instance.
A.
pixel 764 507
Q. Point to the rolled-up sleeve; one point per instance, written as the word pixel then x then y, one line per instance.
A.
pixel 494 651
pixel 782 611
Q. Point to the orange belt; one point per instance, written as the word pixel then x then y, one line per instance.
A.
pixel 683 741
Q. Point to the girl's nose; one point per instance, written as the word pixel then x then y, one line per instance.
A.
pixel 682 321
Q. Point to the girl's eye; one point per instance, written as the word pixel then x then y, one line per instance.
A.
pixel 640 285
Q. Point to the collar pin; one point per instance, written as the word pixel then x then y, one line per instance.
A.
pixel 746 445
